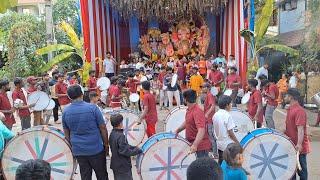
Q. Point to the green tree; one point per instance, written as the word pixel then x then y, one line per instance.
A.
pixel 7 4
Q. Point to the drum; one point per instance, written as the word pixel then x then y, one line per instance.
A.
pixel 245 98
pixel 133 132
pixel 214 91
pixel 243 123
pixel 227 92
pixel 268 154
pixel 164 156
pixel 175 118
pixel 104 83
pixel 51 105
pixel 134 97
pixel 41 100
pixel 40 142
pixel 174 80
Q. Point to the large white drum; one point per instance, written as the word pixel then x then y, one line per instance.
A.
pixel 134 133
pixel 268 154
pixel 175 118
pixel 103 83
pixel 40 142
pixel 40 99
pixel 243 123
pixel 164 157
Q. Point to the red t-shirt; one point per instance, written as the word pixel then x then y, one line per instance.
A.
pixel 233 78
pixel 208 102
pixel 31 89
pixel 61 88
pixel 296 116
pixel 18 94
pixel 150 101
pixel 114 90
pixel 92 84
pixel 272 89
pixel 215 76
pixel 132 85
pixel 255 99
pixel 5 105
pixel 194 120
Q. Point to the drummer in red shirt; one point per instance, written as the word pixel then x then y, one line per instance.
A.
pixel 233 81
pixel 149 112
pixel 209 110
pixel 132 83
pixel 114 93
pixel 195 126
pixel 296 129
pixel 61 92
pixel 92 82
pixel 23 110
pixel 216 77
pixel 271 93
pixel 37 115
pixel 254 106
pixel 5 106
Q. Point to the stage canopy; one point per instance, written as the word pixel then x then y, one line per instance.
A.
pixel 117 25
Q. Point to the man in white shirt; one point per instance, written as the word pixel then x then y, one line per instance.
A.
pixel 262 71
pixel 223 125
pixel 109 65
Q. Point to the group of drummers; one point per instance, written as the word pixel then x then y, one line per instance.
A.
pixel 200 86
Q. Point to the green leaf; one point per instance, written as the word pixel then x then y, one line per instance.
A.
pixel 261 25
pixel 280 47
pixel 56 60
pixel 7 4
pixel 55 47
pixel 72 35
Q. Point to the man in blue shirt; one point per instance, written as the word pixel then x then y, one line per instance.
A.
pixel 85 130
pixel 220 59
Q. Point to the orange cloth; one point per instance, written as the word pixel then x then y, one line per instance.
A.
pixel 283 88
pixel 196 82
pixel 202 67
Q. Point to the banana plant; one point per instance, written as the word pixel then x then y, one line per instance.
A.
pixel 7 4
pixel 261 26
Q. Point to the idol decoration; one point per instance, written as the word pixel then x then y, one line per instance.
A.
pixel 183 38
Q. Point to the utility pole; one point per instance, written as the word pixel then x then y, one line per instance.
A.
pixel 49 26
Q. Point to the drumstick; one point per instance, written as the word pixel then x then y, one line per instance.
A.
pixel 298 161
pixel 185 157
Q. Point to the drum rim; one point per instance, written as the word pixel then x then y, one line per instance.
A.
pixel 107 79
pixel 244 96
pixel 49 104
pixel 173 111
pixel 134 94
pixel 41 92
pixel 239 110
pixel 140 159
pixel 74 164
pixel 271 131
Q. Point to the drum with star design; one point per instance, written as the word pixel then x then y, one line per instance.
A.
pixel 40 142
pixel 269 154
pixel 165 156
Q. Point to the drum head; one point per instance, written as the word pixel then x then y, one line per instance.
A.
pixel 270 156
pixel 144 78
pixel 36 143
pixel 227 92
pixel 104 83
pixel 174 120
pixel 243 123
pixel 245 98
pixel 9 95
pixel 51 105
pixel 174 80
pixel 214 91
pixel 41 99
pixel 166 158
pixel 134 97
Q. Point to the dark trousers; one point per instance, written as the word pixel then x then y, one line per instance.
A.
pixel 56 110
pixel 109 75
pixel 234 98
pixel 96 162
pixel 304 169
pixel 122 175
pixel 202 154
pixel 220 156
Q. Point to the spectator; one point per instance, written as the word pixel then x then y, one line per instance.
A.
pixel 204 169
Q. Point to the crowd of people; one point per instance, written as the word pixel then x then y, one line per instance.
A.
pixel 209 129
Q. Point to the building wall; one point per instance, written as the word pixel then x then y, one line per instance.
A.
pixel 294 19
pixel 34 9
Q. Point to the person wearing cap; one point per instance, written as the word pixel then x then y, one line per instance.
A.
pixel 85 129
pixel 23 109
pixel 270 92
pixel 61 92
pixel 233 81
pixel 196 81
pixel 296 129
pixel 5 105
pixel 216 77
pixel 37 115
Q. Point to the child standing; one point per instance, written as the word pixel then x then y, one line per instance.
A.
pixel 232 164
pixel 121 150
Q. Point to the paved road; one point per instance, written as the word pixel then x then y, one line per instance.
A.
pixel 279 116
